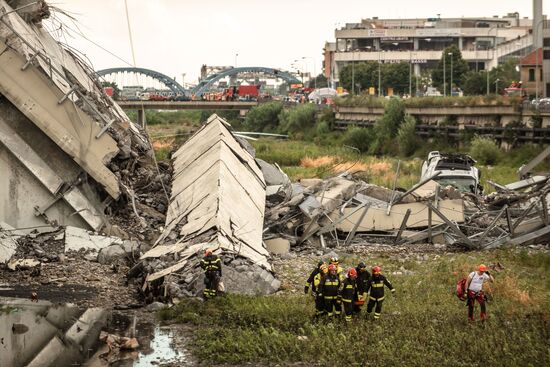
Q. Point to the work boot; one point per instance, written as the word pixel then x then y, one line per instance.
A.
pixel 483 316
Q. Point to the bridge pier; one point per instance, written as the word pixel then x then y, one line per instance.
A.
pixel 141 117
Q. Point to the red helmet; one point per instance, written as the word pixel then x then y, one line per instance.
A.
pixel 482 267
pixel 352 273
pixel 208 252
pixel 332 268
pixel 376 270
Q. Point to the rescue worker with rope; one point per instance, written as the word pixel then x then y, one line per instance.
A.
pixel 376 285
pixel 474 289
pixel 348 292
pixel 330 288
pixel 309 281
pixel 319 299
pixel 360 295
pixel 212 266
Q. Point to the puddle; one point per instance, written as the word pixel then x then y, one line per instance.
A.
pixel 163 350
pixel 39 333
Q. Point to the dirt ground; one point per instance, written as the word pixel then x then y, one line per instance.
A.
pixel 78 281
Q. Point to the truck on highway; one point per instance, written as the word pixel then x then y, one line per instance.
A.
pixel 248 92
pixel 456 170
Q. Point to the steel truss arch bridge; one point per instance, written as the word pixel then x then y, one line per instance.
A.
pixel 207 83
pixel 164 79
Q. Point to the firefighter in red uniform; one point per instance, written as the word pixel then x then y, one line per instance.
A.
pixel 330 288
pixel 348 291
pixel 376 297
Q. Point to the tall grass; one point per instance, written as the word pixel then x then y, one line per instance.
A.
pixel 423 324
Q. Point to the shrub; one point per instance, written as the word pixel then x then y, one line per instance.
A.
pixel 407 140
pixel 264 117
pixel 485 150
pixel 297 120
pixel 359 138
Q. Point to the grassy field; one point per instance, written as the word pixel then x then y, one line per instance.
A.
pixel 295 158
pixel 422 324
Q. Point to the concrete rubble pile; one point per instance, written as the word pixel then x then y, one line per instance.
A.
pixel 332 212
pixel 217 201
pixel 68 153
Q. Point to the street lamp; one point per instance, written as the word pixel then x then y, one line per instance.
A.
pixel 236 56
pixel 314 69
pixel 410 73
pixel 451 86
pixel 353 72
pixel 379 74
pixel 496 85
pixel 444 77
pixel 475 48
pixel 494 48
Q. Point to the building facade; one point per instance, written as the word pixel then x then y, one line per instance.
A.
pixel 484 42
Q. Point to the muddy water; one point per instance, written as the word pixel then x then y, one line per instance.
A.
pixel 42 334
pixel 165 350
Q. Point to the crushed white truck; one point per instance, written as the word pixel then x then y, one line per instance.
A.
pixel 457 170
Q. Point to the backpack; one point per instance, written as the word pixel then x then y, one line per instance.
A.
pixel 461 291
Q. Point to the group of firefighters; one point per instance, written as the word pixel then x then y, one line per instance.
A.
pixel 332 289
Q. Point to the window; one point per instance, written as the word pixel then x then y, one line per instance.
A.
pixel 546 54
pixel 546 42
pixel 531 75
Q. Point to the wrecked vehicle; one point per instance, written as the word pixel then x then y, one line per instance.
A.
pixel 456 170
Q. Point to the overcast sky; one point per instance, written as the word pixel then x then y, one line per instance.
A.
pixel 178 36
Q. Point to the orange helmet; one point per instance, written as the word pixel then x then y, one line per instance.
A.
pixel 332 268
pixel 352 273
pixel 376 270
pixel 324 268
pixel 482 267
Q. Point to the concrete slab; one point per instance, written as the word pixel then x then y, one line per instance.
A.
pixel 277 246
pixel 77 239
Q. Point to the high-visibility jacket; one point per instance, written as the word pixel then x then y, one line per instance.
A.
pixel 212 264
pixel 376 285
pixel 348 290
pixel 317 282
pixel 310 281
pixel 330 286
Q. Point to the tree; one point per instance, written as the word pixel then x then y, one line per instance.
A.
pixel 264 117
pixel 386 128
pixel 365 75
pixel 407 141
pixel 298 119
pixel 116 89
pixel 396 76
pixel 322 82
pixel 459 69
pixel 474 83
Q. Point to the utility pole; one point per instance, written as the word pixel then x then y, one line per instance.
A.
pixel 410 73
pixel 379 74
pixel 444 76
pixel 353 73
pixel 451 86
